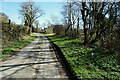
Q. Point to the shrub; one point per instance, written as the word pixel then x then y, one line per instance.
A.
pixel 12 32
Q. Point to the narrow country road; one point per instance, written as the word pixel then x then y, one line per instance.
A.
pixel 36 60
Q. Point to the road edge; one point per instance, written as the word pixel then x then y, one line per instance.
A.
pixel 66 65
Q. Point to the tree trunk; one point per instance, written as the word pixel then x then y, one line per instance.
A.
pixel 84 22
pixel 78 26
pixel 30 29
pixel 85 34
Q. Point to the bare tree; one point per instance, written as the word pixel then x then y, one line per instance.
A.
pixel 30 12
pixel 70 14
pixel 67 15
pixel 84 12
pixel 98 19
pixel 36 23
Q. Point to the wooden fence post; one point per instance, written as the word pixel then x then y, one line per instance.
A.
pixel 9 22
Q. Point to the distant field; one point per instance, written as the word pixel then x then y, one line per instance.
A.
pixel 87 62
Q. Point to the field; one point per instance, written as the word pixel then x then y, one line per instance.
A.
pixel 88 62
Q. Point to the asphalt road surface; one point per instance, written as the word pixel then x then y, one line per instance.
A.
pixel 36 60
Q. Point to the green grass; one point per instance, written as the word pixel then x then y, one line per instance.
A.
pixel 16 46
pixel 41 39
pixel 88 62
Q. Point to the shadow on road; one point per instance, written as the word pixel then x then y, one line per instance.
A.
pixel 16 65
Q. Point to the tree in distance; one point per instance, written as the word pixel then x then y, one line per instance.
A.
pixel 30 12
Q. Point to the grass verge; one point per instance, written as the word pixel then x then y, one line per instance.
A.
pixel 16 46
pixel 86 62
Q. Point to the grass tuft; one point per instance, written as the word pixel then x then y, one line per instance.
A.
pixel 16 46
